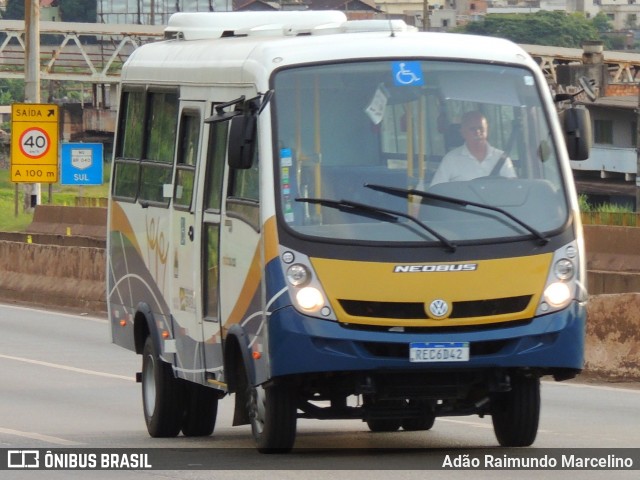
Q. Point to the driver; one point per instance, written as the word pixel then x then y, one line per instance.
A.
pixel 476 157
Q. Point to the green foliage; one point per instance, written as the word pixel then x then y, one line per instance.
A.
pixel 583 203
pixel 70 10
pixel 11 91
pixel 14 10
pixel 602 23
pixel 78 11
pixel 606 213
pixel 555 28
pixel 62 195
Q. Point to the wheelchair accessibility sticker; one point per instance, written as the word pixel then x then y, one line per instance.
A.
pixel 407 74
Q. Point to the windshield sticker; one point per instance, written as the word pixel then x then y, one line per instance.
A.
pixel 407 74
pixel 286 161
pixel 378 104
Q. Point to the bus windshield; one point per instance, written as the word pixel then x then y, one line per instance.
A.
pixel 359 134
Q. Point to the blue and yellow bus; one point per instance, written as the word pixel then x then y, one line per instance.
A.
pixel 276 230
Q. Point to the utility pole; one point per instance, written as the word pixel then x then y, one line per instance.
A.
pixel 426 24
pixel 32 79
pixel 637 143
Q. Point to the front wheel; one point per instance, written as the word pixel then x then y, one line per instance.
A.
pixel 273 414
pixel 161 394
pixel 515 414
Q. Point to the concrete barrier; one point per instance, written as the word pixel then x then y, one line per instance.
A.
pixel 53 275
pixel 613 336
pixel 70 221
pixel 613 259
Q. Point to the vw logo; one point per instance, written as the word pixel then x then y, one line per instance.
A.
pixel 439 308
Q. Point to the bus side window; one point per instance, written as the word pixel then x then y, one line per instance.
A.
pixel 216 154
pixel 186 160
pixel 243 194
pixel 215 165
pixel 129 146
pixel 245 182
pixel 161 130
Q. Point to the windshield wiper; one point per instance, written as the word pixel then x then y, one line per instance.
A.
pixel 375 212
pixel 404 192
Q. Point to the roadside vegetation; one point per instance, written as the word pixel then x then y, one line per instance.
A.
pixel 606 213
pixel 62 195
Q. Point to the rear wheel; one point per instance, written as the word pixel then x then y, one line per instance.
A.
pixel 418 424
pixel 424 421
pixel 515 414
pixel 161 394
pixel 273 414
pixel 200 410
pixel 383 424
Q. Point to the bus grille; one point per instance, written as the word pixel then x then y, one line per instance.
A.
pixel 417 310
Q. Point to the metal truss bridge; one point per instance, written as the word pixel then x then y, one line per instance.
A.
pixel 94 52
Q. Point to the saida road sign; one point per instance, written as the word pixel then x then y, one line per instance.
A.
pixel 34 143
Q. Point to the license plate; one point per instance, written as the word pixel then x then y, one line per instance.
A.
pixel 439 352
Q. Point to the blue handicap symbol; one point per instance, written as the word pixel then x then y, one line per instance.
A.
pixel 407 74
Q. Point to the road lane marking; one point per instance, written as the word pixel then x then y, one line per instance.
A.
pixel 593 387
pixel 38 436
pixel 67 368
pixel 471 423
pixel 464 422
pixel 77 316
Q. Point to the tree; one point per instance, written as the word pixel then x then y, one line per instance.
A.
pixel 555 28
pixel 602 23
pixel 11 91
pixel 14 10
pixel 78 11
pixel 70 10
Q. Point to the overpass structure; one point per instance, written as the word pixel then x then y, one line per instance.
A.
pixel 80 52
pixel 94 52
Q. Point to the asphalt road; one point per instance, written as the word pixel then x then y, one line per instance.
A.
pixel 63 385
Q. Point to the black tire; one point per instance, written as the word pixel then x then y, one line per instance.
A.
pixel 384 424
pixel 273 414
pixel 161 394
pixel 200 410
pixel 423 422
pixel 515 414
pixel 419 424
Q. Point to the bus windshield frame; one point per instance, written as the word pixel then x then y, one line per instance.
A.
pixel 340 128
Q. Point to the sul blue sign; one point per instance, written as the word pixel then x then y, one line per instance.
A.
pixel 81 164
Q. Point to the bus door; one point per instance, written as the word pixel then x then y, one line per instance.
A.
pixel 210 250
pixel 184 257
pixel 241 264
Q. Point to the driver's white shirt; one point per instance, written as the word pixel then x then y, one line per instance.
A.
pixel 460 165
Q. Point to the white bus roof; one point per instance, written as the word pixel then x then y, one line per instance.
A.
pixel 240 47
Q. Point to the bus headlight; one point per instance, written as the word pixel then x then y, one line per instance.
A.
pixel 565 280
pixel 310 299
pixel 564 269
pixel 305 289
pixel 557 294
pixel 298 275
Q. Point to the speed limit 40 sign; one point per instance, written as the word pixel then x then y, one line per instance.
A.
pixel 34 143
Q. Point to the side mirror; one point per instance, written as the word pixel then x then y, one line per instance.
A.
pixel 242 141
pixel 576 126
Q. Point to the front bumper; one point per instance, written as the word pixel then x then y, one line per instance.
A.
pixel 300 344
